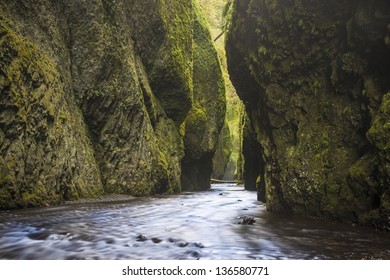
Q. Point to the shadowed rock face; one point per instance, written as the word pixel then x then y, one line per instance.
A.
pixel 314 79
pixel 94 98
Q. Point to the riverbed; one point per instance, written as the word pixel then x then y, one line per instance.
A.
pixel 201 225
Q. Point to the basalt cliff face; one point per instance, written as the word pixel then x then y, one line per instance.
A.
pixel 102 97
pixel 314 77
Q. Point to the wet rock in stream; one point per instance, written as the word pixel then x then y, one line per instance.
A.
pixel 141 238
pixel 247 221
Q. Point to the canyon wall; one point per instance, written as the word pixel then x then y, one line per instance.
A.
pixel 314 78
pixel 99 97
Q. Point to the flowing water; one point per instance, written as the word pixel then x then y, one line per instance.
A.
pixel 204 225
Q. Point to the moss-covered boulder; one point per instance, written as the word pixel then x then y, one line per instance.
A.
pixel 206 117
pixel 313 76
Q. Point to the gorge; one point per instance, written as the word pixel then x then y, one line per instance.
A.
pixel 128 97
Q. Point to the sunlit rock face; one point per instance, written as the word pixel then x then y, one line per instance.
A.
pixel 95 97
pixel 314 77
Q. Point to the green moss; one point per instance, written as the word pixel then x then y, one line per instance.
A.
pixel 222 153
pixel 364 184
pixel 177 24
pixel 170 148
pixel 167 54
pixel 43 70
pixel 167 142
pixel 363 168
pixel 206 117
pixel 38 196
pixel 310 103
pixel 6 200
pixel 128 122
pixel 48 141
pixel 218 15
pixel 379 133
pixel 195 124
pixel 197 116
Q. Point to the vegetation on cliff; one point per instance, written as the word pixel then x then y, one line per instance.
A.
pixel 128 97
pixel 228 153
pixel 95 97
pixel 46 155
pixel 313 77
pixel 205 120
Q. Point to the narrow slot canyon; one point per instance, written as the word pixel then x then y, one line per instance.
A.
pixel 170 129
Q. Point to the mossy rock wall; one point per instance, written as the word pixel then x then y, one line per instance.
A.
pixel 46 155
pixel 205 119
pixel 163 34
pixel 313 76
pixel 228 149
pixel 138 147
pixel 222 153
pixel 93 98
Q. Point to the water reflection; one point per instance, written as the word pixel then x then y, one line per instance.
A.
pixel 201 225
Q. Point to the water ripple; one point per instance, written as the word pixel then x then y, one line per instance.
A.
pixel 203 225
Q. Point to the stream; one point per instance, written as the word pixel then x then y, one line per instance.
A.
pixel 202 225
